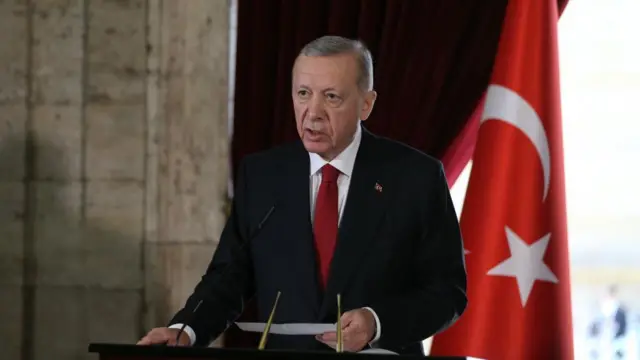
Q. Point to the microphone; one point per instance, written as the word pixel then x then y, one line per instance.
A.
pixel 261 224
pixel 226 269
pixel 267 327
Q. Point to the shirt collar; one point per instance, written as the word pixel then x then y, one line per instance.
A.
pixel 344 161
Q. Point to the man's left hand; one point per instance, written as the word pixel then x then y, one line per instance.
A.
pixel 358 328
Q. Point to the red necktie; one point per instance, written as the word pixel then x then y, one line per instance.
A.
pixel 325 223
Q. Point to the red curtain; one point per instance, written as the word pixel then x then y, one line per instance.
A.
pixel 432 62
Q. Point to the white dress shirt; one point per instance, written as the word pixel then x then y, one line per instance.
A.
pixel 344 162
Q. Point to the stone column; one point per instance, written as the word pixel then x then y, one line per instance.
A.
pixel 14 43
pixel 113 166
pixel 187 147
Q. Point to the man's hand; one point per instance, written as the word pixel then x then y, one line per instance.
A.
pixel 358 328
pixel 165 335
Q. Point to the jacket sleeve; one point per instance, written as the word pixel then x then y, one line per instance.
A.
pixel 228 281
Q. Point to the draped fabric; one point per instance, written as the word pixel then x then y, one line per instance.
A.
pixel 461 149
pixel 432 62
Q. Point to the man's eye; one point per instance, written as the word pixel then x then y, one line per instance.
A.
pixel 303 93
pixel 333 97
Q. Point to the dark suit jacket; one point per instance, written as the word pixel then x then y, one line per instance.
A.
pixel 399 250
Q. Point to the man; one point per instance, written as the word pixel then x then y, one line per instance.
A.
pixel 614 322
pixel 342 211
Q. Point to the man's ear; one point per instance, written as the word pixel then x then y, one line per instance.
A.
pixel 367 104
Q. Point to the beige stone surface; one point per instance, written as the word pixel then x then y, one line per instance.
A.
pixel 13 51
pixel 116 35
pixel 11 320
pixel 115 142
pixel 119 87
pixel 113 176
pixel 12 147
pixel 113 315
pixel 58 242
pixel 57 52
pixel 116 53
pixel 12 141
pixel 11 233
pixel 193 146
pixel 14 46
pixel 113 234
pixel 171 272
pixel 61 326
pixel 58 146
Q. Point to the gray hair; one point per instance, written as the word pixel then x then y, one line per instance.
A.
pixel 335 45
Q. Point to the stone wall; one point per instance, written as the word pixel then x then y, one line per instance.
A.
pixel 113 166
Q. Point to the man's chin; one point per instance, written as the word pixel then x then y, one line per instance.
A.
pixel 316 147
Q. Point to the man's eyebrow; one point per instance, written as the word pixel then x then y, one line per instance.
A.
pixel 330 88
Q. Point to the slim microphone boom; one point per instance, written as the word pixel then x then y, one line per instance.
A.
pixel 226 269
pixel 261 224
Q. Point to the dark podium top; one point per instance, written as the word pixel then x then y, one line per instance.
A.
pixel 134 352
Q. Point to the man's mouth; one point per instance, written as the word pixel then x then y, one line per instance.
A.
pixel 314 135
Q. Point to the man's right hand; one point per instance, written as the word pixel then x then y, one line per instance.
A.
pixel 164 335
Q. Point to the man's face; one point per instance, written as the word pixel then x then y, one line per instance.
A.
pixel 328 103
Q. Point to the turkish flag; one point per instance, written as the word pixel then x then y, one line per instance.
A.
pixel 514 217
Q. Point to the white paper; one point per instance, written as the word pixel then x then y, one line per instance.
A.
pixel 288 329
pixel 303 329
pixel 378 351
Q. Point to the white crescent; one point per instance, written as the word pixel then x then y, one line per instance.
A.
pixel 506 105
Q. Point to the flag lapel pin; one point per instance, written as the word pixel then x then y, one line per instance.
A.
pixel 378 188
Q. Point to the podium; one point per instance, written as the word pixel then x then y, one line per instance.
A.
pixel 136 352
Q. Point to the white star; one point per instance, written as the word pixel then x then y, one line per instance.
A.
pixel 467 252
pixel 525 263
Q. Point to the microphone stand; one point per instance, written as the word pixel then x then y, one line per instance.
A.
pixel 224 274
pixel 267 327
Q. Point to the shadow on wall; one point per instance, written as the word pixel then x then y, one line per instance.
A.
pixel 11 245
pixel 71 256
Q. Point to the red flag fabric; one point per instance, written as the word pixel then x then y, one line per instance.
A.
pixel 514 217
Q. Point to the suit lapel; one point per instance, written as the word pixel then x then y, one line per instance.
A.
pixel 362 213
pixel 295 198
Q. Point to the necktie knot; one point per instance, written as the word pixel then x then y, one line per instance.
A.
pixel 330 174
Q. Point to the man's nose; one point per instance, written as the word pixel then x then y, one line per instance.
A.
pixel 316 108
